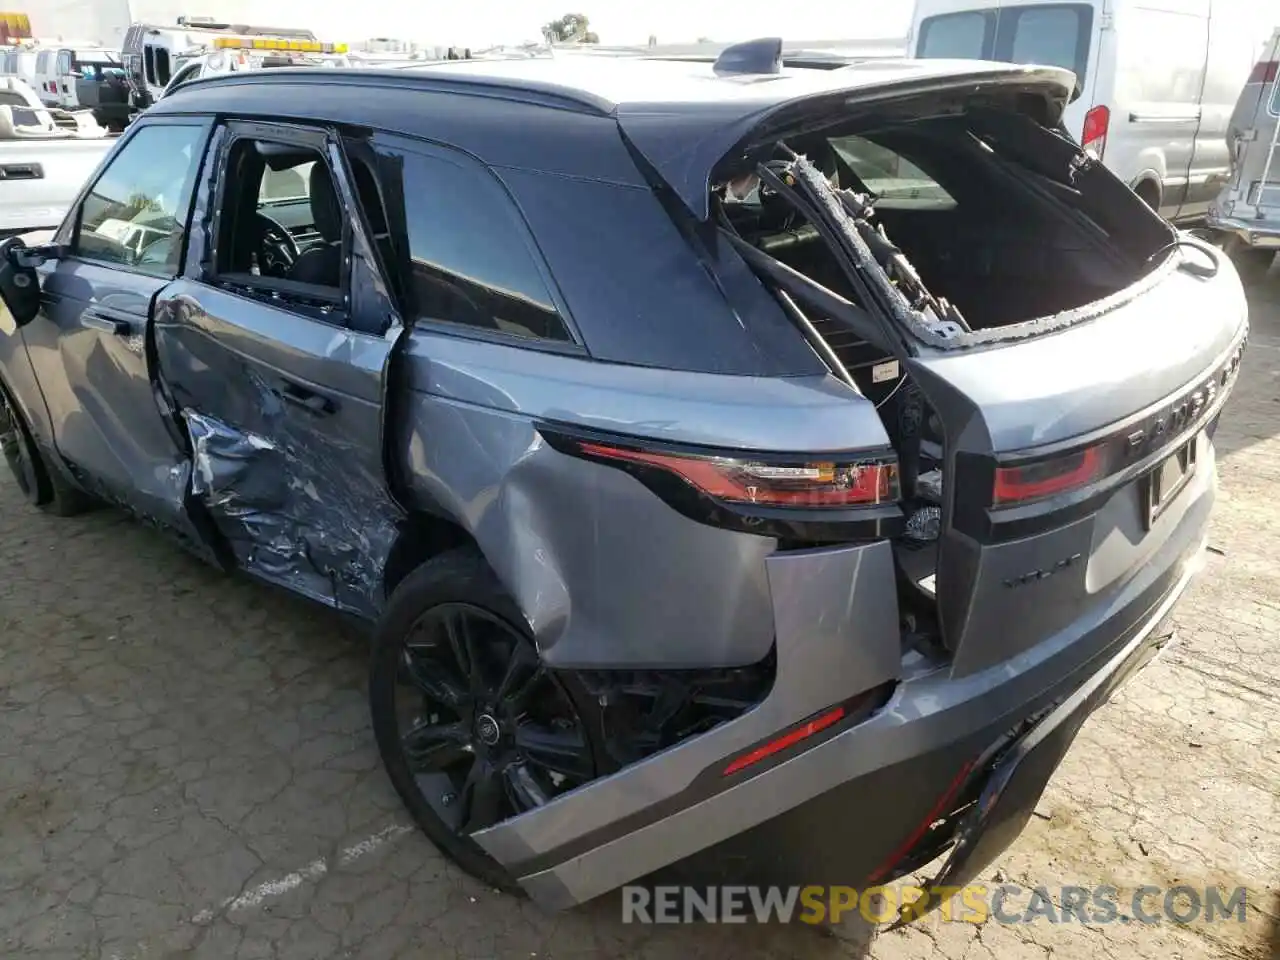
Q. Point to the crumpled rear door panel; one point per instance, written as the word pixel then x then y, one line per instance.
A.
pixel 284 418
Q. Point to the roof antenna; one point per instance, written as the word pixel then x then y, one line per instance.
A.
pixel 761 56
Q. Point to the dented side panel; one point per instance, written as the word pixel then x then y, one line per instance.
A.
pixel 284 418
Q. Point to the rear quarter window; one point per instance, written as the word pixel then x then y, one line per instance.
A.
pixel 469 261
pixel 642 294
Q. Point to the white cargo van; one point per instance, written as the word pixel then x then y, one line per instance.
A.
pixel 1246 215
pixel 1158 79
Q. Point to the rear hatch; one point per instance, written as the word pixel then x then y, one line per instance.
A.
pixel 1065 455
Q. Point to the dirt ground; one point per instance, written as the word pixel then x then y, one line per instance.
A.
pixel 186 768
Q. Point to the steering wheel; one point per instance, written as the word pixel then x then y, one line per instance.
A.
pixel 277 249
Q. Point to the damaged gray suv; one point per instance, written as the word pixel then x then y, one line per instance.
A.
pixel 750 472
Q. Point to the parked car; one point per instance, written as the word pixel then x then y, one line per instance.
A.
pixel 705 503
pixel 1158 78
pixel 45 158
pixel 1246 213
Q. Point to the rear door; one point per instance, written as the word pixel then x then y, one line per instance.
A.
pixel 89 344
pixel 1051 32
pixel 274 350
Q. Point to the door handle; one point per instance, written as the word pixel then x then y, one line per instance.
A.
pixel 306 398
pixel 106 321
pixel 21 171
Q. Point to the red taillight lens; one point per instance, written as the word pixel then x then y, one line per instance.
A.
pixel 814 484
pixel 1265 72
pixel 1048 478
pixel 1096 124
pixel 790 739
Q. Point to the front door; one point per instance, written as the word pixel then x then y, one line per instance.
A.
pixel 90 343
pixel 274 348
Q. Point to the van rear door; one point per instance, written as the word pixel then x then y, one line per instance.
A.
pixel 1051 32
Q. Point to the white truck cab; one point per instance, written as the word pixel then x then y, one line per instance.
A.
pixel 154 55
pixel 1158 79
pixel 236 54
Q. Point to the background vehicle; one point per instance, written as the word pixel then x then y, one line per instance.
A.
pixel 1158 78
pixel 234 55
pixel 43 164
pixel 153 54
pixel 59 70
pixel 692 519
pixel 19 61
pixel 1247 211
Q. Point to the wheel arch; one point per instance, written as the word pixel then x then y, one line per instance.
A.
pixel 1148 186
pixel 423 537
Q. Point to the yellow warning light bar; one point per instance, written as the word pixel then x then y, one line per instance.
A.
pixel 269 43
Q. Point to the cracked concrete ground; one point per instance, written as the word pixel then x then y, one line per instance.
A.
pixel 186 768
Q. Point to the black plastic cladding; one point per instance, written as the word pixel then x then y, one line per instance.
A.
pixel 567 161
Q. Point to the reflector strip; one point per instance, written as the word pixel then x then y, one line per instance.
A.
pixel 939 809
pixel 816 725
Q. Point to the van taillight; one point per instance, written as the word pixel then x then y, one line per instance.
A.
pixel 1265 72
pixel 1096 123
pixel 1048 478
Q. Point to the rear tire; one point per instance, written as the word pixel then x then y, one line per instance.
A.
pixel 1253 265
pixel 478 755
pixel 42 485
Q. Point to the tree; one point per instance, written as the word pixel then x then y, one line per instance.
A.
pixel 571 28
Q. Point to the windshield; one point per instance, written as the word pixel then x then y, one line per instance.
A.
pixel 1053 34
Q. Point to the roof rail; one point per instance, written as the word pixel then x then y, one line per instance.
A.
pixel 761 56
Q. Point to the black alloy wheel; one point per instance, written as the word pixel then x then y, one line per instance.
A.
pixel 486 730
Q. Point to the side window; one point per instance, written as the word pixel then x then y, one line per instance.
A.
pixel 135 214
pixel 42 62
pixel 189 72
pixel 469 262
pixel 890 176
pixel 280 221
pixel 963 36
pixel 64 63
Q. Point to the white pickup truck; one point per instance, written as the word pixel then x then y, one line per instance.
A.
pixel 44 159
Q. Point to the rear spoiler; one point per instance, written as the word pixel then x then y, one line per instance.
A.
pixel 685 147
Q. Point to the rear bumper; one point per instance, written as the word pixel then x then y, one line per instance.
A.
pixel 1259 234
pixel 849 809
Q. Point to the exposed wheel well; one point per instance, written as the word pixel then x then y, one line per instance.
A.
pixel 424 536
pixel 1149 191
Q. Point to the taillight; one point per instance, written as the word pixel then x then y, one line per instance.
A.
pixel 1050 477
pixel 1265 71
pixel 738 480
pixel 832 497
pixel 1096 123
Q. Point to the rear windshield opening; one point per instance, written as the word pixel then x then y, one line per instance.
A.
pixel 1056 34
pixel 994 214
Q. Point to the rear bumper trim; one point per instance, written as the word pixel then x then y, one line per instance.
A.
pixel 886 777
pixel 1260 234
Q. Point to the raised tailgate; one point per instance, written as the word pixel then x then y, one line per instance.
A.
pixel 1139 382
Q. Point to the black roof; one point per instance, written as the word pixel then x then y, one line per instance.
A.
pixel 681 115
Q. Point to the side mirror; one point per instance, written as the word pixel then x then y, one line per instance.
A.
pixel 19 283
